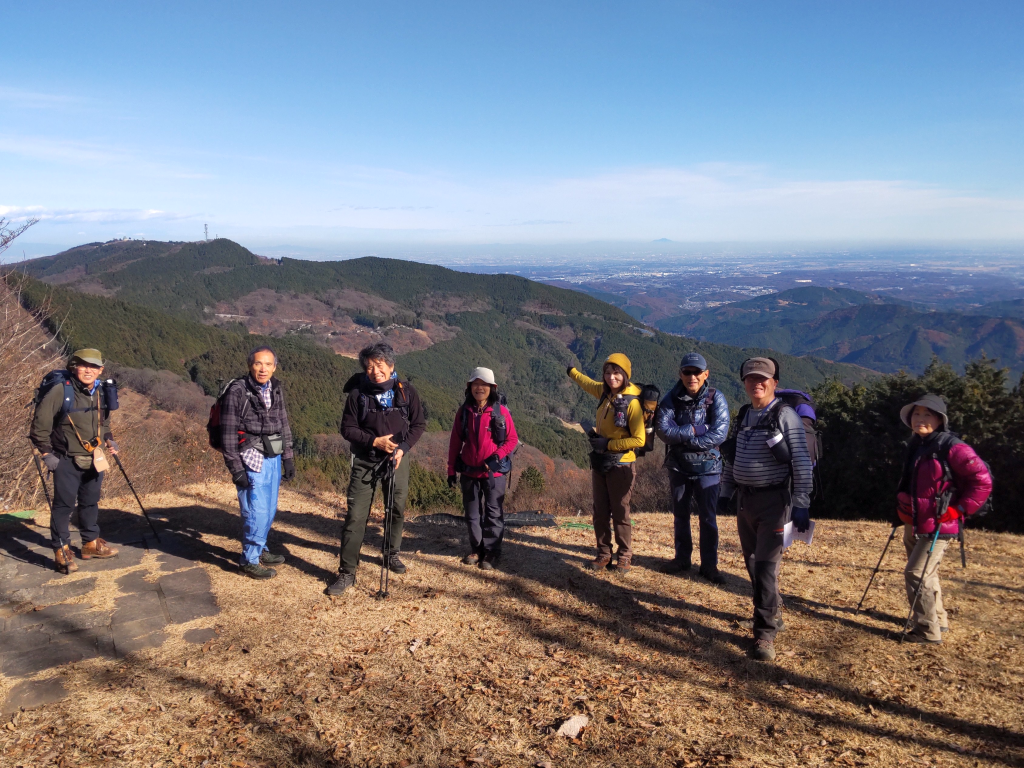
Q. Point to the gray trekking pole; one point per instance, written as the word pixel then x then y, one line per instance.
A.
pixel 874 573
pixel 388 500
pixel 117 460
pixel 943 505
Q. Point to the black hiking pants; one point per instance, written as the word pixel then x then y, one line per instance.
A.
pixel 705 491
pixel 483 500
pixel 75 487
pixel 760 518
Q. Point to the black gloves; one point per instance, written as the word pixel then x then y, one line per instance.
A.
pixel 492 462
pixel 598 444
pixel 801 518
pixel 724 505
pixel 241 480
pixel 51 462
pixel 569 370
pixel 453 480
pixel 289 469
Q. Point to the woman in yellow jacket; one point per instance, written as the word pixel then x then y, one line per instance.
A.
pixel 619 431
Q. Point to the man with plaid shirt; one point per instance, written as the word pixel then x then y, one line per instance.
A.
pixel 257 442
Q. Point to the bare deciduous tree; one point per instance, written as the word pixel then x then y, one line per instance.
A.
pixel 9 232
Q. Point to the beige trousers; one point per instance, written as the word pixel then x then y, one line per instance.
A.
pixel 929 615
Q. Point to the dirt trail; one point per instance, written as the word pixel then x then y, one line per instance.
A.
pixel 461 667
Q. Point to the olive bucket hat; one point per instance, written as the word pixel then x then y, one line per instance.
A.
pixel 90 356
pixel 932 403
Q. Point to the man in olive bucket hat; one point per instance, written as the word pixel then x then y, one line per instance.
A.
pixel 69 440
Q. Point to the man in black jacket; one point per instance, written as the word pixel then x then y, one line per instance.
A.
pixel 257 440
pixel 67 435
pixel 383 419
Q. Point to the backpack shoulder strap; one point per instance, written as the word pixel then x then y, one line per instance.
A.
pixel 463 416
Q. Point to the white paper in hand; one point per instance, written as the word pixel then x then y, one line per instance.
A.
pixel 791 534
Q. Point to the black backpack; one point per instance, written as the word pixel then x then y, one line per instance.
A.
pixel 213 423
pixel 62 377
pixel 940 453
pixel 650 398
pixel 499 431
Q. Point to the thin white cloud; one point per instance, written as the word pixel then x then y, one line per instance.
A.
pixel 90 216
pixel 11 96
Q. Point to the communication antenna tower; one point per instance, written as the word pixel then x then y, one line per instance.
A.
pixel 206 232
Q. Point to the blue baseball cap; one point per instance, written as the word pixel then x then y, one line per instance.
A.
pixel 693 360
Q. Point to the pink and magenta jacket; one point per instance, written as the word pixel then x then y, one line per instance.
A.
pixel 479 445
pixel 972 485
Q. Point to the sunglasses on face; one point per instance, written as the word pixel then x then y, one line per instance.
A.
pixel 691 372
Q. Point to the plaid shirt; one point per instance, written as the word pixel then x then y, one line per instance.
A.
pixel 253 457
pixel 266 414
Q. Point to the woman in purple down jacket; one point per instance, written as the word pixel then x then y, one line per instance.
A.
pixel 933 450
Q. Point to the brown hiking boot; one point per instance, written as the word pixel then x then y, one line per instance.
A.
pixel 64 560
pixel 624 564
pixel 97 548
pixel 599 563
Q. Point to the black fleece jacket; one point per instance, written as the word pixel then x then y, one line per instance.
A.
pixel 364 420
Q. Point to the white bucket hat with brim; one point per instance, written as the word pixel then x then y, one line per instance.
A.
pixel 932 402
pixel 486 375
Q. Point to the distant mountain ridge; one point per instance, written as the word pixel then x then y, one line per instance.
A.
pixel 195 308
pixel 864 329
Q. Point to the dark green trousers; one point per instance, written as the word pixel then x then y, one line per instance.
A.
pixel 360 497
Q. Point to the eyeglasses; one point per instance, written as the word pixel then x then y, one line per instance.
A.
pixel 692 372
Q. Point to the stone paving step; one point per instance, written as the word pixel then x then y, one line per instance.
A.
pixel 33 694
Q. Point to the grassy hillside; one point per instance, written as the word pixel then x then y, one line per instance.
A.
pixel 853 327
pixel 527 332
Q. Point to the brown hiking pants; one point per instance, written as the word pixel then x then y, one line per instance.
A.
pixel 611 507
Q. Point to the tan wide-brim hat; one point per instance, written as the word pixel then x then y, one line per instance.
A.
pixel 486 375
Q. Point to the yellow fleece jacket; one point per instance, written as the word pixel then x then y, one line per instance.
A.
pixel 620 439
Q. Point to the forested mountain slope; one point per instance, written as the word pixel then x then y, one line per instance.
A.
pixel 157 305
pixel 854 327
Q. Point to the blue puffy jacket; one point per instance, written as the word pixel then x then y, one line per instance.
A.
pixel 689 424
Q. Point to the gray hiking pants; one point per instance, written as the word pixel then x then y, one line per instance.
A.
pixel 760 517
pixel 929 615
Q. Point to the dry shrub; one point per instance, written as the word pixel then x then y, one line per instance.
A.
pixel 166 390
pixel 651 491
pixel 160 450
pixel 26 355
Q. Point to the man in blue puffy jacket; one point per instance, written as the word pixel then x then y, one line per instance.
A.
pixel 692 421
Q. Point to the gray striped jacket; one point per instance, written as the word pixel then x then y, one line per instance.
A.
pixel 755 466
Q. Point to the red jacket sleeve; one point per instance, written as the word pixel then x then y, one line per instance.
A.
pixel 972 480
pixel 511 437
pixel 455 442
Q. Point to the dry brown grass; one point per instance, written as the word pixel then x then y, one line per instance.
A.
pixel 299 679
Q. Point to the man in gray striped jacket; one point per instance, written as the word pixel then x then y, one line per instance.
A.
pixel 770 472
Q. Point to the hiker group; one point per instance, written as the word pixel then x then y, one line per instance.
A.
pixel 760 465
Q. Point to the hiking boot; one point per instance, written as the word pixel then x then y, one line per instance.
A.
pixel 676 566
pixel 600 562
pixel 266 558
pixel 780 625
pixel 345 580
pixel 714 576
pixel 471 559
pixel 916 637
pixel 762 650
pixel 624 565
pixel 486 565
pixel 64 560
pixel 395 565
pixel 257 571
pixel 97 548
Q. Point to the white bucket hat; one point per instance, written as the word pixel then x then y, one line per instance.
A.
pixel 486 375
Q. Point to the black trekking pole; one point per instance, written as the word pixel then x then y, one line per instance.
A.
pixel 388 500
pixel 117 460
pixel 943 506
pixel 42 479
pixel 963 547
pixel 874 573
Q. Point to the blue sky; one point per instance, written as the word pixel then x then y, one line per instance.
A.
pixel 317 124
